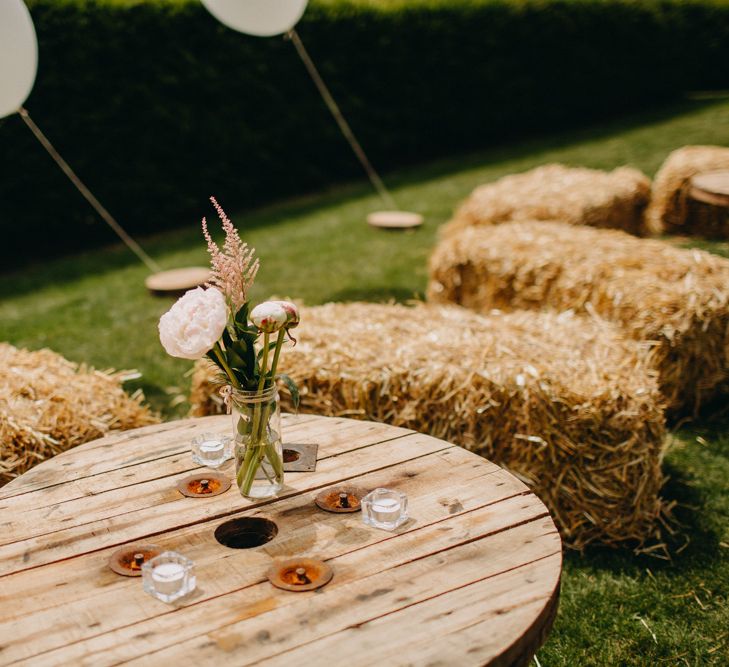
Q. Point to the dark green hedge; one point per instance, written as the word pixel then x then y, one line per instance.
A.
pixel 156 105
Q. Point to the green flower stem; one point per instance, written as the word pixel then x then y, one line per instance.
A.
pixel 259 448
pixel 217 350
pixel 277 352
pixel 274 459
pixel 264 361
pixel 253 459
pixel 244 484
pixel 261 382
pixel 265 472
pixel 271 453
pixel 248 470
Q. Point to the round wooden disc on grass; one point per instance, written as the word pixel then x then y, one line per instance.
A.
pixel 177 281
pixel 711 187
pixel 395 219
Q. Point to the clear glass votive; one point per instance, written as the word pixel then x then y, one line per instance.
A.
pixel 211 449
pixel 168 576
pixel 385 509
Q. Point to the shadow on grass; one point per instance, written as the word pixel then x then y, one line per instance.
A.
pixel 186 239
pixel 160 399
pixel 717 248
pixel 696 544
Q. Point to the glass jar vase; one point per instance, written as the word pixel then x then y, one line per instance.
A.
pixel 258 449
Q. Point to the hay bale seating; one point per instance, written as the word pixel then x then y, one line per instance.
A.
pixel 49 404
pixel 671 210
pixel 577 196
pixel 560 401
pixel 676 299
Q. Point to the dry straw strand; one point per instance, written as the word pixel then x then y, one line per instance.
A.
pixel 575 195
pixel 671 209
pixel 561 401
pixel 49 404
pixel 676 300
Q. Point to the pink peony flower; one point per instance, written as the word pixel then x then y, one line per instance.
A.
pixel 194 324
pixel 292 313
pixel 269 316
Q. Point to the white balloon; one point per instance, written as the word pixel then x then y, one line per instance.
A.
pixel 18 55
pixel 263 18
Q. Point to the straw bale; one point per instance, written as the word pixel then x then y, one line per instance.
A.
pixel 577 196
pixel 48 405
pixel 562 402
pixel 670 209
pixel 676 299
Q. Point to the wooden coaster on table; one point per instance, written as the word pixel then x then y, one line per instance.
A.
pixel 203 485
pixel 128 560
pixel 300 574
pixel 341 499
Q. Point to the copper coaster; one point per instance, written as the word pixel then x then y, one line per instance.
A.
pixel 203 485
pixel 341 499
pixel 300 457
pixel 128 560
pixel 300 574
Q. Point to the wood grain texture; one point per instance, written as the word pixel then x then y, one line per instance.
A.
pixel 471 579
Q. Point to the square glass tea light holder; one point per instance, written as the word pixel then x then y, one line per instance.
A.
pixel 168 576
pixel 211 449
pixel 385 509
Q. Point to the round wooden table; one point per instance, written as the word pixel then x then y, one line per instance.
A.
pixel 471 579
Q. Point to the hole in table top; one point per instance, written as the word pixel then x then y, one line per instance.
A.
pixel 246 533
pixel 291 455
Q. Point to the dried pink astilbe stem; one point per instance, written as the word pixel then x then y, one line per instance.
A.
pixel 234 267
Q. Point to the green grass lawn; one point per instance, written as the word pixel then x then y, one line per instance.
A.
pixel 616 609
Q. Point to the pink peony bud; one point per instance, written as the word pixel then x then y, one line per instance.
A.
pixel 292 313
pixel 269 316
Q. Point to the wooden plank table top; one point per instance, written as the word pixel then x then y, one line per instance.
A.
pixel 471 579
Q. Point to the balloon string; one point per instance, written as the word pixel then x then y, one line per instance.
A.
pixel 341 121
pixel 106 216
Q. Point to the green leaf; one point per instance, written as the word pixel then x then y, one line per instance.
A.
pixel 243 348
pixel 291 386
pixel 210 355
pixel 227 340
pixel 241 317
